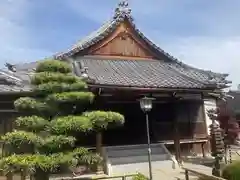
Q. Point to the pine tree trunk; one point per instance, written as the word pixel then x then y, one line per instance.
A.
pixel 99 169
pixel 23 175
pixel 40 175
pixel 9 176
pixel 99 143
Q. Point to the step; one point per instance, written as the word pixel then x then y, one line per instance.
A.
pixel 143 168
pixel 137 159
pixel 119 158
pixel 137 146
pixel 135 152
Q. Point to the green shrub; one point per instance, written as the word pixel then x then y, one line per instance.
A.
pixel 54 144
pixel 31 163
pixel 54 117
pixel 71 97
pixel 140 176
pixel 31 105
pixel 70 124
pixel 85 157
pixel 19 138
pixel 80 151
pixel 32 123
pixel 232 171
pixel 53 66
pixel 91 159
pixel 46 77
pixel 55 87
pixel 103 119
pixel 48 163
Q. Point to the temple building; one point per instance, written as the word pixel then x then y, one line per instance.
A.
pixel 122 65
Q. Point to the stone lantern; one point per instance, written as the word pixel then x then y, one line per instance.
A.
pixel 217 142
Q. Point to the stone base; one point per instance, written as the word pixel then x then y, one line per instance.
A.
pixel 175 164
pixel 100 172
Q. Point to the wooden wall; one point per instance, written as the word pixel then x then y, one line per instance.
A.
pixel 190 117
pixel 7 122
pixel 124 43
pixel 190 114
pixel 8 114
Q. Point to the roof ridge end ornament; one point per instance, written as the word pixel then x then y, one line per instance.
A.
pixel 123 9
pixel 10 67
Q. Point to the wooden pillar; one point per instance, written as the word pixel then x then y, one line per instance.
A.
pixel 176 131
pixel 203 149
pixel 177 142
pixel 99 137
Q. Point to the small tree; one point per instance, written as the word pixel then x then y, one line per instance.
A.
pixel 44 141
pixel 102 120
pixel 228 124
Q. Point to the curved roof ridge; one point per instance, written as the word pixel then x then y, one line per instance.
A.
pixel 123 12
pixel 188 77
pixel 89 40
pixel 174 59
pixel 11 78
pixel 94 33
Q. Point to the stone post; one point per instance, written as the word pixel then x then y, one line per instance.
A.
pixel 217 144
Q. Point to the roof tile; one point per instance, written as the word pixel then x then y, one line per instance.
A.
pixel 120 15
pixel 138 73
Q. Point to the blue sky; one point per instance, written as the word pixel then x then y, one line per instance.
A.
pixel 202 33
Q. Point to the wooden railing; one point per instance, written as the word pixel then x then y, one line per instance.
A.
pixel 83 177
pixel 199 174
pixel 123 177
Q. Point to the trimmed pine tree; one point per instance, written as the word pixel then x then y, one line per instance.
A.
pixel 44 140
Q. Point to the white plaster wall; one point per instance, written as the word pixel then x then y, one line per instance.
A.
pixel 209 104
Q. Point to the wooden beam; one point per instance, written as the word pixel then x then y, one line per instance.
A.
pixel 114 57
pixel 133 101
pixel 185 141
pixel 188 96
pixel 149 90
pixel 8 111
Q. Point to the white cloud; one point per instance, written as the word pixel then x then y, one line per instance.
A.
pixel 216 54
pixel 105 9
pixel 15 44
pixel 216 49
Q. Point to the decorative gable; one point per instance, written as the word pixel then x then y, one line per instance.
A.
pixel 122 42
pixel 119 38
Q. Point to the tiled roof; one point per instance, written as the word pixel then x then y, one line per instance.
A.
pixel 207 77
pixel 167 70
pixel 141 73
pixel 128 73
pixel 14 88
pixel 123 12
pixel 16 81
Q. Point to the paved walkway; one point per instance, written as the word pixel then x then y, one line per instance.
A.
pixel 167 173
pixel 163 170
